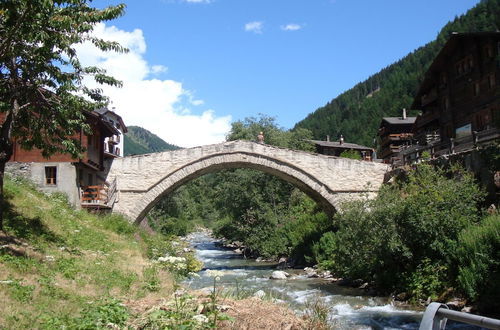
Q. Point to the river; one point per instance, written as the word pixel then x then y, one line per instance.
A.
pixel 349 308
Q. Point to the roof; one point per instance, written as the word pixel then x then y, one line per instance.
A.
pixel 111 130
pixel 399 120
pixel 104 111
pixel 441 58
pixel 336 144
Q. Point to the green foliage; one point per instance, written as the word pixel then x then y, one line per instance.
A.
pixel 102 314
pixel 41 91
pixel 427 280
pixel 409 232
pixel 357 112
pixel 139 141
pixel 352 154
pixel 478 257
pixel 69 258
pixel 20 292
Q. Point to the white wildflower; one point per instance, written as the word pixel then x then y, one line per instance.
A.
pixel 200 318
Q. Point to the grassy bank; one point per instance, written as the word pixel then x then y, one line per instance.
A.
pixel 62 267
pixel 67 269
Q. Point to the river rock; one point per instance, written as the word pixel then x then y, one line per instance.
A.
pixel 311 272
pixel 279 275
pixel 259 259
pixel 259 294
pixel 456 304
pixel 239 251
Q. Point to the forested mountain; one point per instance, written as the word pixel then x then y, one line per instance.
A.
pixel 141 141
pixel 356 113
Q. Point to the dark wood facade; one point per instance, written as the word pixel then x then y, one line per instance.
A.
pixel 394 134
pixel 336 148
pixel 459 97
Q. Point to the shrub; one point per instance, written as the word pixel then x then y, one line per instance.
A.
pixel 478 257
pixel 409 231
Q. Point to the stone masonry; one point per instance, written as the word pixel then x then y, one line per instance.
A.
pixel 144 179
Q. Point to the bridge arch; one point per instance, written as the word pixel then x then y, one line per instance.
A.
pixel 143 180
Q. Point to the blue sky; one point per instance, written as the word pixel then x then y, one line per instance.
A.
pixel 213 62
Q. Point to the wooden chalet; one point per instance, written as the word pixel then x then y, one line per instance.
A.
pixel 459 97
pixel 394 134
pixel 80 179
pixel 336 148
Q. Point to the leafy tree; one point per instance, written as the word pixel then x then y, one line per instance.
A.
pixel 352 154
pixel 42 95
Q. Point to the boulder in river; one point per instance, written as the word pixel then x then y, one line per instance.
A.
pixel 279 275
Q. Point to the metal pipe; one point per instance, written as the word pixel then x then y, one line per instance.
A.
pixel 478 320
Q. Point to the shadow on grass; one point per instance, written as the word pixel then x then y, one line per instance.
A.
pixel 17 225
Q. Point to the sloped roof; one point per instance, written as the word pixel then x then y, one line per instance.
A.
pixel 104 111
pixel 400 120
pixel 337 144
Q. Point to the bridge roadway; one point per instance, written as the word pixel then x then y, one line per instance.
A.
pixel 143 180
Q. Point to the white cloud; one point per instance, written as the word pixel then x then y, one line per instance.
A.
pixel 255 27
pixel 291 27
pixel 161 106
pixel 156 69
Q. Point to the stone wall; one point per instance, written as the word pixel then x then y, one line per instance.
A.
pixel 35 172
pixel 142 180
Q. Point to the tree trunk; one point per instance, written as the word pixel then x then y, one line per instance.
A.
pixel 6 151
pixel 2 204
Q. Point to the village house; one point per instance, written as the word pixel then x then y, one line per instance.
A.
pixel 394 134
pixel 336 148
pixel 83 179
pixel 459 98
pixel 113 145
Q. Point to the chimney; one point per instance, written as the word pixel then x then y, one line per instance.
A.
pixel 404 113
pixel 328 138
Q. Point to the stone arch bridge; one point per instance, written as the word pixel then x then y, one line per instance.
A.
pixel 143 180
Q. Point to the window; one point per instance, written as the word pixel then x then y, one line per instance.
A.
pixel 90 179
pixel 491 81
pixel 51 175
pixel 477 88
pixel 446 102
pixel 89 140
pixel 488 50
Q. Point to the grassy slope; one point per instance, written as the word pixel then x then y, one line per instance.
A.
pixel 56 262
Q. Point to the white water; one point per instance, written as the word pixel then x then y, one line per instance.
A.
pixel 348 308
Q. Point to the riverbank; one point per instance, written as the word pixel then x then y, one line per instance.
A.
pixel 61 268
pixel 342 306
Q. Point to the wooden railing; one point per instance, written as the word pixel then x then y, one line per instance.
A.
pixel 100 196
pixel 94 195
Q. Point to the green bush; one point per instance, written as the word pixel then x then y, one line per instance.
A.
pixel 404 235
pixel 478 257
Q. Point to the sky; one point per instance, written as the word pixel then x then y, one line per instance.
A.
pixel 196 66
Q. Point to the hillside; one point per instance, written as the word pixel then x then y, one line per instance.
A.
pixel 356 113
pixel 141 141
pixel 67 269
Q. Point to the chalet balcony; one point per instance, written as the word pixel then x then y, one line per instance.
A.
pixel 427 117
pixel 460 145
pixel 396 137
pixel 115 139
pixel 110 150
pixel 430 97
pixel 98 196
